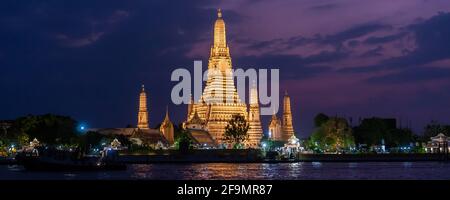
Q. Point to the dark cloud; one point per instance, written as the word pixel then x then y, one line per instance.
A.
pixel 353 43
pixel 288 64
pixel 336 40
pixel 384 39
pixel 432 37
pixel 354 32
pixel 358 69
pixel 88 59
pixel 301 64
pixel 413 75
pixel 325 7
pixel 377 51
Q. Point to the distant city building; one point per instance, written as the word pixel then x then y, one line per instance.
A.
pixel 220 100
pixel 391 123
pixel 143 113
pixel 167 128
pixel 5 125
pixel 282 130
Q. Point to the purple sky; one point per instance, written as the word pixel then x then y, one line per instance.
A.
pixel 350 58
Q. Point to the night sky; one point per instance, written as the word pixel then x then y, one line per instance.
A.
pixel 350 58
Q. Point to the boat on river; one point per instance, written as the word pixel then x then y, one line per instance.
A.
pixel 67 160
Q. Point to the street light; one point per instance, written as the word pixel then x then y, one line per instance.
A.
pixel 263 145
pixel 82 128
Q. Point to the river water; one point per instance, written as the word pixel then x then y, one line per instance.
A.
pixel 251 171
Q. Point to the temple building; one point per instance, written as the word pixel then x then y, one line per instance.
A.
pixel 284 130
pixel 255 128
pixel 143 113
pixel 142 134
pixel 288 129
pixel 167 128
pixel 438 144
pixel 275 129
pixel 220 100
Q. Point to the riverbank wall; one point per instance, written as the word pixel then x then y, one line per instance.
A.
pixel 256 156
pixel 401 157
pixel 194 156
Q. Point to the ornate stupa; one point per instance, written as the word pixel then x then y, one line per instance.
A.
pixel 167 128
pixel 275 129
pixel 282 130
pixel 219 100
pixel 143 113
pixel 288 129
pixel 255 132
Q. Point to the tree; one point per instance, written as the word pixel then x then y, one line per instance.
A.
pixel 23 139
pixel 183 141
pixel 236 131
pixel 399 137
pixel 320 119
pixel 432 129
pixel 178 130
pixel 333 135
pixel 48 128
pixel 90 140
pixel 373 130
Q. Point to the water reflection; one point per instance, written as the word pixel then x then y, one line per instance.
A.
pixel 353 165
pixel 407 164
pixel 268 171
pixel 316 164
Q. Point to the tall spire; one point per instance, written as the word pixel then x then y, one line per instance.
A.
pixel 167 128
pixel 219 31
pixel 254 94
pixel 219 100
pixel 255 131
pixel 219 13
pixel 143 113
pixel 274 116
pixel 167 114
pixel 288 129
pixel 220 86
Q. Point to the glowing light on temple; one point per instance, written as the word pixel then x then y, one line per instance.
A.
pixel 220 100
pixel 143 113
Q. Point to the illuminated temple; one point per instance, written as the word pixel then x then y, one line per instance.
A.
pixel 282 130
pixel 220 100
